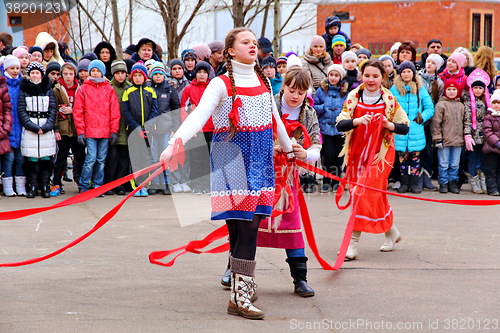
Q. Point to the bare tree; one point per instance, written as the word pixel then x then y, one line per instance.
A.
pixel 171 14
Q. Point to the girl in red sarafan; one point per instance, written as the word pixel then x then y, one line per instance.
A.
pixel 370 117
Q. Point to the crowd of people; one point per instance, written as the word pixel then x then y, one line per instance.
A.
pixel 383 120
pixel 99 140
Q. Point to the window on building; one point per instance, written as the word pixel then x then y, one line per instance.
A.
pixel 481 32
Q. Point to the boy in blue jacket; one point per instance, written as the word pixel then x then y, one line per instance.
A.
pixel 140 108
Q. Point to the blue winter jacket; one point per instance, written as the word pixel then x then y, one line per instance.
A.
pixel 276 83
pixel 17 128
pixel 328 107
pixel 415 139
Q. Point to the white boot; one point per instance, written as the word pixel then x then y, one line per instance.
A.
pixel 352 250
pixel 474 183
pixel 243 289
pixel 21 186
pixel 391 238
pixel 8 189
pixel 482 181
pixel 240 303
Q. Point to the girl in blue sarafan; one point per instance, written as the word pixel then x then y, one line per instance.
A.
pixel 328 102
pixel 416 101
pixel 242 178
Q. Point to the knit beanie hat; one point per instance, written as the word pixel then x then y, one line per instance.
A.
pixel 202 51
pixel 216 46
pixel 317 40
pixel 407 64
pixel 269 62
pixel 281 60
pixel 293 60
pixel 338 68
pixel 130 49
pixel 495 96
pixel 202 65
pixel 157 68
pixel 35 66
pixel 90 55
pixel 83 65
pixel 495 80
pixel 35 49
pixel 149 62
pixel 118 66
pixel 349 55
pixel 188 54
pixel 20 51
pixel 174 62
pixel 437 60
pixel 387 57
pixel 139 68
pixel 452 83
pixel 332 21
pixel 478 78
pixel 364 51
pixel 394 47
pixel 11 61
pixel 459 58
pixel 339 40
pixel 97 64
pixel 53 66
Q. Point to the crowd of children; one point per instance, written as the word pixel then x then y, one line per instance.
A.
pixel 132 125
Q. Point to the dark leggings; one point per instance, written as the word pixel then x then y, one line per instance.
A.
pixel 243 237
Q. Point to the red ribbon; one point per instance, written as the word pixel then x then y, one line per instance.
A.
pixel 284 170
pixel 234 115
pixel 178 156
pixel 291 127
pixel 81 198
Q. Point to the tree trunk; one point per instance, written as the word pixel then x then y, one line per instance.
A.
pixel 277 25
pixel 238 16
pixel 116 28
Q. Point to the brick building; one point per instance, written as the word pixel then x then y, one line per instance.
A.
pixel 378 24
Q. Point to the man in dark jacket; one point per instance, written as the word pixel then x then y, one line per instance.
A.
pixel 433 46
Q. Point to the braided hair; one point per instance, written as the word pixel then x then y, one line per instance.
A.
pixel 229 43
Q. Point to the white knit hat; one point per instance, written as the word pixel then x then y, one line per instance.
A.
pixel 438 60
pixel 394 47
pixel 495 96
pixel 349 55
pixel 338 68
pixel 293 60
pixel 10 61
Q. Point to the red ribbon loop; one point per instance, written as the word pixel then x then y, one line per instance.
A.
pixel 291 127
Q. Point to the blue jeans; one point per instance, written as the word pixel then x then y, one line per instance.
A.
pixel 449 162
pixel 93 167
pixel 9 160
pixel 158 143
pixel 476 160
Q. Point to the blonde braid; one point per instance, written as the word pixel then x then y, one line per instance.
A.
pixel 229 67
pixel 264 78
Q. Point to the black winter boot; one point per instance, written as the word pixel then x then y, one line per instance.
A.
pixel 453 186
pixel 298 270
pixel 414 186
pixel 405 183
pixel 32 191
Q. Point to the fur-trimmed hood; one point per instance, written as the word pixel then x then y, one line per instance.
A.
pixel 402 87
pixel 33 89
pixel 43 39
